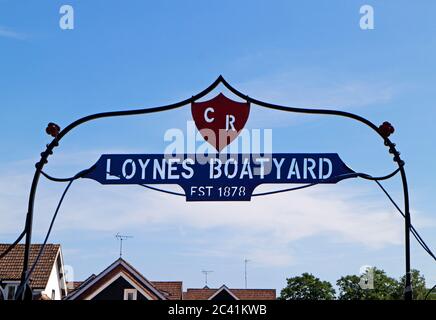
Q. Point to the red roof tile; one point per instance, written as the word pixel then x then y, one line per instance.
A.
pixel 255 294
pixel 198 294
pixel 242 294
pixel 11 265
pixel 171 289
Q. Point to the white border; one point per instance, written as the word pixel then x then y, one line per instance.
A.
pixel 134 291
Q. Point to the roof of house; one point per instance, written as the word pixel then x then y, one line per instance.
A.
pixel 11 265
pixel 242 294
pixel 171 289
pixel 89 288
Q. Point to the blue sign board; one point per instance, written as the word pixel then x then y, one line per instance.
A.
pixel 225 177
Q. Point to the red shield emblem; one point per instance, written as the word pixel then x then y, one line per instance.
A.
pixel 220 119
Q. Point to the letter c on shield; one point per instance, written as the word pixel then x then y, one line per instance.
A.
pixel 206 117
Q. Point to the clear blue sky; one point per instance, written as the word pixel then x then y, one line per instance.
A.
pixel 300 53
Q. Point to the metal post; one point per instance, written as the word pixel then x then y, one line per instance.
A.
pixel 20 294
pixel 408 290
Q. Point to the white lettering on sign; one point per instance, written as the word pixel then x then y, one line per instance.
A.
pixel 201 190
pixel 216 168
pixel 293 169
pixel 187 168
pixel 309 168
pixel 172 168
pixel 132 169
pixel 157 168
pixel 321 168
pixel 143 165
pixel 230 120
pixel 231 168
pixel 206 117
pixel 235 168
pixel 278 166
pixel 108 170
pixel 262 166
pixel 246 169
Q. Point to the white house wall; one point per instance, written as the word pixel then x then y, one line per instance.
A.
pixel 53 282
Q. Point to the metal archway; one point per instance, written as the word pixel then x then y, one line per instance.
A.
pixel 58 134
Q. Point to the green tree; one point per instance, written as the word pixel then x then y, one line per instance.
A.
pixel 349 288
pixel 307 287
pixel 384 287
pixel 418 286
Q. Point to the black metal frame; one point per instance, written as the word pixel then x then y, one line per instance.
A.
pixel 220 80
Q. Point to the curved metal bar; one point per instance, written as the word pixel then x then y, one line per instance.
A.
pixel 13 245
pixel 386 177
pixel 162 190
pixel 140 111
pixel 75 177
pixel 56 179
pixel 220 79
pixel 300 110
pixel 51 178
pixel 341 177
pixel 285 190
